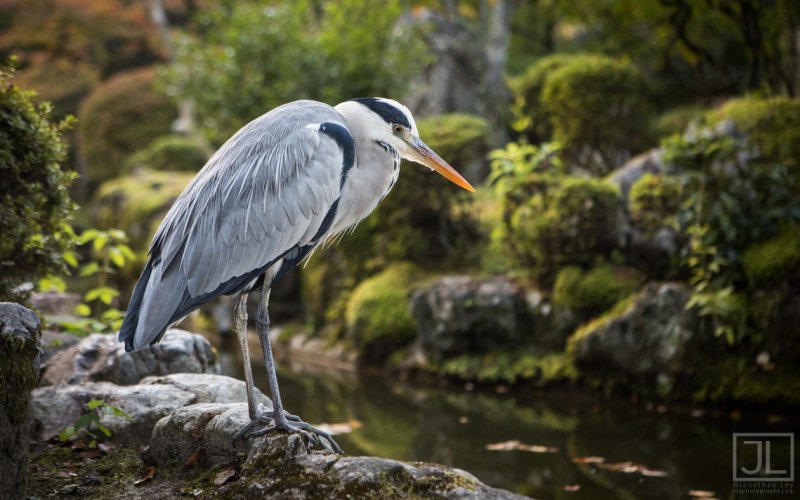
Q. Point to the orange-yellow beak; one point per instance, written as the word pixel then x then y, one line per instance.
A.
pixel 426 156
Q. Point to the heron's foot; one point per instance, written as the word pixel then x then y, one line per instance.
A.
pixel 266 423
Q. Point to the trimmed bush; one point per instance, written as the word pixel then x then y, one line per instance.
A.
pixel 172 152
pixel 378 313
pixel 654 201
pixel 528 88
pixel 62 82
pixel 122 116
pixel 676 120
pixel 34 201
pixel 775 259
pixel 772 125
pixel 137 202
pixel 599 110
pixel 594 291
pixel 560 220
pixel 461 139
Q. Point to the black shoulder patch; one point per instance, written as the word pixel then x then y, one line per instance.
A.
pixel 386 111
pixel 346 144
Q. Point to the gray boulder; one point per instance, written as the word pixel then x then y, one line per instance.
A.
pixel 651 341
pixel 56 407
pixel 100 357
pixel 460 314
pixel 287 466
pixel 19 369
pixel 650 162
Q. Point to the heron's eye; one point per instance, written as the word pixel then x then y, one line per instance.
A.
pixel 397 129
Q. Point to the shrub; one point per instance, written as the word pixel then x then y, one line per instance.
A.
pixel 137 202
pixel 774 259
pixel 557 220
pixel 594 291
pixel 676 120
pixel 171 152
pixel 772 125
pixel 528 88
pixel 378 313
pixel 62 82
pixel 34 202
pixel 121 116
pixel 599 111
pixel 654 202
pixel 460 139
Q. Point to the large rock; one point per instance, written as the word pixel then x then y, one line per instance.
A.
pixel 101 357
pixel 461 314
pixel 57 407
pixel 19 369
pixel 650 162
pixel 287 466
pixel 650 340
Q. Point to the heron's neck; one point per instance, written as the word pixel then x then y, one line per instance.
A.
pixel 375 172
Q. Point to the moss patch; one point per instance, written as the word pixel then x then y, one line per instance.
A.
pixel 378 314
pixel 738 380
pixel 774 259
pixel 172 152
pixel 595 290
pixel 512 367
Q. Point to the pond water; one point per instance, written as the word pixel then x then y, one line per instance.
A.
pixel 670 453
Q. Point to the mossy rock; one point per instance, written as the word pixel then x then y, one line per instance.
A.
pixel 378 313
pixel 461 139
pixel 772 125
pixel 654 202
pixel 552 222
pixel 120 117
pixel 520 366
pixel 599 108
pixel 773 260
pixel 137 202
pixel 596 290
pixel 172 152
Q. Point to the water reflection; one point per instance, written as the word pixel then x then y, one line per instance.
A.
pixel 452 426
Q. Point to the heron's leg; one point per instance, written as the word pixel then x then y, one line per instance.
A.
pixel 240 325
pixel 280 418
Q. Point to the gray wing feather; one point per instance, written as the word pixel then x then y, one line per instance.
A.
pixel 264 192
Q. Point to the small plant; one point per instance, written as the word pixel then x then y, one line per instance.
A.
pixel 109 253
pixel 88 425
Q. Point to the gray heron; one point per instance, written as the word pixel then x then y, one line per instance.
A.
pixel 281 186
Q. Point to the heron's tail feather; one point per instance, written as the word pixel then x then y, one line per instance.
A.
pixel 128 329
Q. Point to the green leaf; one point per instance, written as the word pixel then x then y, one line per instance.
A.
pixel 96 403
pixel 104 429
pixel 100 242
pixel 87 236
pixel 103 293
pixel 66 434
pixel 89 269
pixel 83 310
pixel 116 256
pixel 87 419
pixel 126 251
pixel 71 258
pixel 118 234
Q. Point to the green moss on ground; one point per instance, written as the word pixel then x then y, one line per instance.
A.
pixel 511 367
pixel 378 313
pixel 739 380
pixel 595 290
pixel 774 259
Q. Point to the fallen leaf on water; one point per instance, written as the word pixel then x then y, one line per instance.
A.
pixel 572 487
pixel 632 468
pixel 701 493
pixel 149 473
pixel 516 445
pixel 340 428
pixel 588 460
pixel 224 476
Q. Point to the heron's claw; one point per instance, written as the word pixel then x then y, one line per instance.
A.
pixel 265 423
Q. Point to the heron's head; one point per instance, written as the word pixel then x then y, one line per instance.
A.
pixel 389 122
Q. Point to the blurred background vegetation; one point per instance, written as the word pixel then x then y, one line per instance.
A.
pixel 618 146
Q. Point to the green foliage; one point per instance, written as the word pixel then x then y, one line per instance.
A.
pixel 775 259
pixel 378 314
pixel 599 109
pixel 529 110
pixel 108 254
pixel 34 201
pixel 654 202
pixel 87 426
pixel 676 120
pixel 534 368
pixel 120 117
pixel 551 219
pixel 459 138
pixel 63 82
pixel 137 202
pixel 254 56
pixel 772 125
pixel 595 290
pixel 171 152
